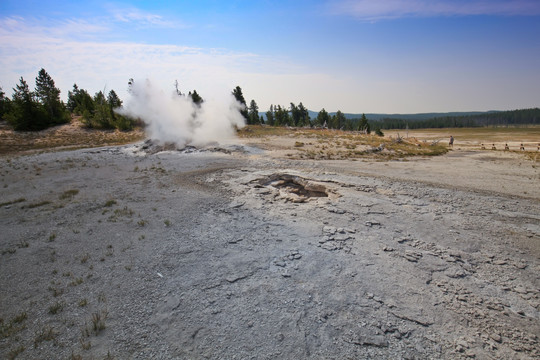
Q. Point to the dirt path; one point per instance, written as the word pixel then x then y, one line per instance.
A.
pixel 214 255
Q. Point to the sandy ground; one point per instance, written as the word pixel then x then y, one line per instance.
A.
pixel 113 253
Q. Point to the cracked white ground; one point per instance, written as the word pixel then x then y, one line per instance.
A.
pixel 248 255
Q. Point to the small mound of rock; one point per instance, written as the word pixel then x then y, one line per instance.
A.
pixel 295 188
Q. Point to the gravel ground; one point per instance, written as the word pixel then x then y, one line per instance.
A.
pixel 114 253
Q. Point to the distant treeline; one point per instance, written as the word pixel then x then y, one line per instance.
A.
pixel 42 108
pixel 499 118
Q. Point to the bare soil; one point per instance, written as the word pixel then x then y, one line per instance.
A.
pixel 246 252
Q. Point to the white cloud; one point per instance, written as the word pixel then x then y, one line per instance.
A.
pixel 143 18
pixel 390 9
pixel 26 46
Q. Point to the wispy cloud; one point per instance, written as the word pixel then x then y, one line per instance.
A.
pixel 143 18
pixel 392 9
pixel 26 46
pixel 54 28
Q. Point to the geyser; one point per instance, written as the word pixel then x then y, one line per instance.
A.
pixel 173 118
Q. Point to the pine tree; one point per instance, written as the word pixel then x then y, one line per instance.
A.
pixel 237 92
pixel 26 114
pixel 79 101
pixel 113 100
pixel 49 97
pixel 338 120
pixel 196 98
pixel 363 125
pixel 270 116
pixel 323 119
pixel 304 115
pixel 100 117
pixel 253 113
pixel 4 104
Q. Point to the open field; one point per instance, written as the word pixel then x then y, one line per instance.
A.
pixel 473 138
pixel 264 250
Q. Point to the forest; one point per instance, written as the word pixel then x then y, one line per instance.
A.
pixel 491 118
pixel 33 110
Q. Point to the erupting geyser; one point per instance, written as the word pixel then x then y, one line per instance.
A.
pixel 173 118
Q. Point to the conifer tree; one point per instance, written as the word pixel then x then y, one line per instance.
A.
pixel 323 119
pixel 253 113
pixel 25 114
pixel 363 125
pixel 237 92
pixel 49 96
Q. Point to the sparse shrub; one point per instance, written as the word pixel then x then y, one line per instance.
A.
pixel 15 352
pixel 12 202
pixel 9 251
pixel 76 356
pixel 85 258
pixel 23 244
pixel 76 281
pixel 110 203
pixel 101 297
pixel 45 334
pixel 35 205
pixel 69 194
pixel 98 321
pixel 55 291
pixel 20 318
pixel 56 308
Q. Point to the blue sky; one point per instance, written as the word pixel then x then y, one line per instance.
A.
pixel 386 56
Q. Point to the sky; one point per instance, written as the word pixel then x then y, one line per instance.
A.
pixel 378 56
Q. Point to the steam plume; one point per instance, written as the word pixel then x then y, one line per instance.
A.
pixel 172 118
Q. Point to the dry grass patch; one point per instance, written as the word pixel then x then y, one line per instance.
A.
pixel 69 136
pixel 324 144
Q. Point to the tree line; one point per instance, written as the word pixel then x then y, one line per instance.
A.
pixel 38 109
pixel 298 116
pixel 41 108
pixel 494 118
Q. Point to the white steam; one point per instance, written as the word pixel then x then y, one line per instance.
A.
pixel 171 118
